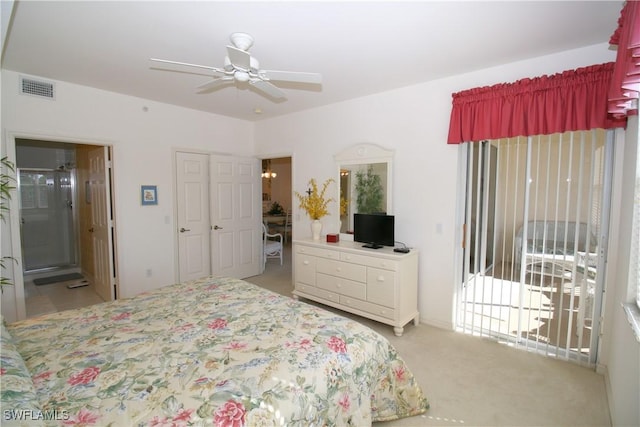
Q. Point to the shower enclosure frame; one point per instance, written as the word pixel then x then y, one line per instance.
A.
pixel 72 262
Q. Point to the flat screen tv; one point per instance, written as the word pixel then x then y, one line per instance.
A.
pixel 375 230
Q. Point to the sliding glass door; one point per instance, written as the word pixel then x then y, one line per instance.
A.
pixel 536 218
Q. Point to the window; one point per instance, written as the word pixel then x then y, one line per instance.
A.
pixel 634 255
pixel 633 309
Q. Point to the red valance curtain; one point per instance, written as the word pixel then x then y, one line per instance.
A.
pixel 568 101
pixel 625 83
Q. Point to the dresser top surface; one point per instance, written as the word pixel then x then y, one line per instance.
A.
pixel 356 247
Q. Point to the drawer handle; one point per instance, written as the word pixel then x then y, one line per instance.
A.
pixel 305 262
pixel 380 278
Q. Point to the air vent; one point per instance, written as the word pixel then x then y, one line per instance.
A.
pixel 37 88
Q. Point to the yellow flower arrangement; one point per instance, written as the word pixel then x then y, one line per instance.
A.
pixel 315 203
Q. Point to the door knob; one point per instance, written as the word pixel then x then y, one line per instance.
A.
pixel 215 227
pixel 182 229
pixel 91 230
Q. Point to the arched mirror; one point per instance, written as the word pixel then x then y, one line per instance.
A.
pixel 364 177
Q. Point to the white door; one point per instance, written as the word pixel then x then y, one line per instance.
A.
pixel 236 216
pixel 101 222
pixel 193 216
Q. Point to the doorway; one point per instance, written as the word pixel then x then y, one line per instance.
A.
pixel 277 213
pixel 536 227
pixel 65 227
pixel 276 184
pixel 276 193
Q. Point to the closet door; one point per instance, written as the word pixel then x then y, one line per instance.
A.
pixel 193 224
pixel 236 215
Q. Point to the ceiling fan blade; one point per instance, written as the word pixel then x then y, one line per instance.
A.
pixel 209 86
pixel 291 76
pixel 239 58
pixel 268 88
pixel 206 67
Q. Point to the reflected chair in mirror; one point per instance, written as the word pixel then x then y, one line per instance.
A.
pixel 272 246
pixel 284 228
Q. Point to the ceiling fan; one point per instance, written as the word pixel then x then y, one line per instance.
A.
pixel 241 67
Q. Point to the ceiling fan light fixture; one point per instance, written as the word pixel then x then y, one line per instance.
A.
pixel 242 41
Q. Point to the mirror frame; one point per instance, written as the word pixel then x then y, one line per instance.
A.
pixel 365 153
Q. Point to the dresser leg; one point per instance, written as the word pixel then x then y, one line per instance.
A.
pixel 416 320
pixel 398 330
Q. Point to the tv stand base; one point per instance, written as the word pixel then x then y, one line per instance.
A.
pixel 372 246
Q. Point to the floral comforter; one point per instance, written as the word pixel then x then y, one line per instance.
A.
pixel 216 351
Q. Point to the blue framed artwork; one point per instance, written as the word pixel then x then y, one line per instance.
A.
pixel 149 195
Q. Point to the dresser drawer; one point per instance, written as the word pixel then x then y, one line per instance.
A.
pixel 381 286
pixel 342 269
pixel 369 261
pixel 321 293
pixel 368 307
pixel 305 269
pixel 320 252
pixel 342 286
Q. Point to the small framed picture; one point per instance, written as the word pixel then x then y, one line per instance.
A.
pixel 149 195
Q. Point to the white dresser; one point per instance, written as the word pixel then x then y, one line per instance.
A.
pixel 375 283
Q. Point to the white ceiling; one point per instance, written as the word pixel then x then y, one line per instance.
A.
pixel 359 47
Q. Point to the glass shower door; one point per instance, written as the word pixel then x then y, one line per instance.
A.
pixel 48 237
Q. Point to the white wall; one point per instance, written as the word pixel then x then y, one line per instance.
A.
pixel 143 144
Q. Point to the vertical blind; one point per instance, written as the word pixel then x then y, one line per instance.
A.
pixel 534 267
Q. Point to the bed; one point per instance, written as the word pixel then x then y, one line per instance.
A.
pixel 216 351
